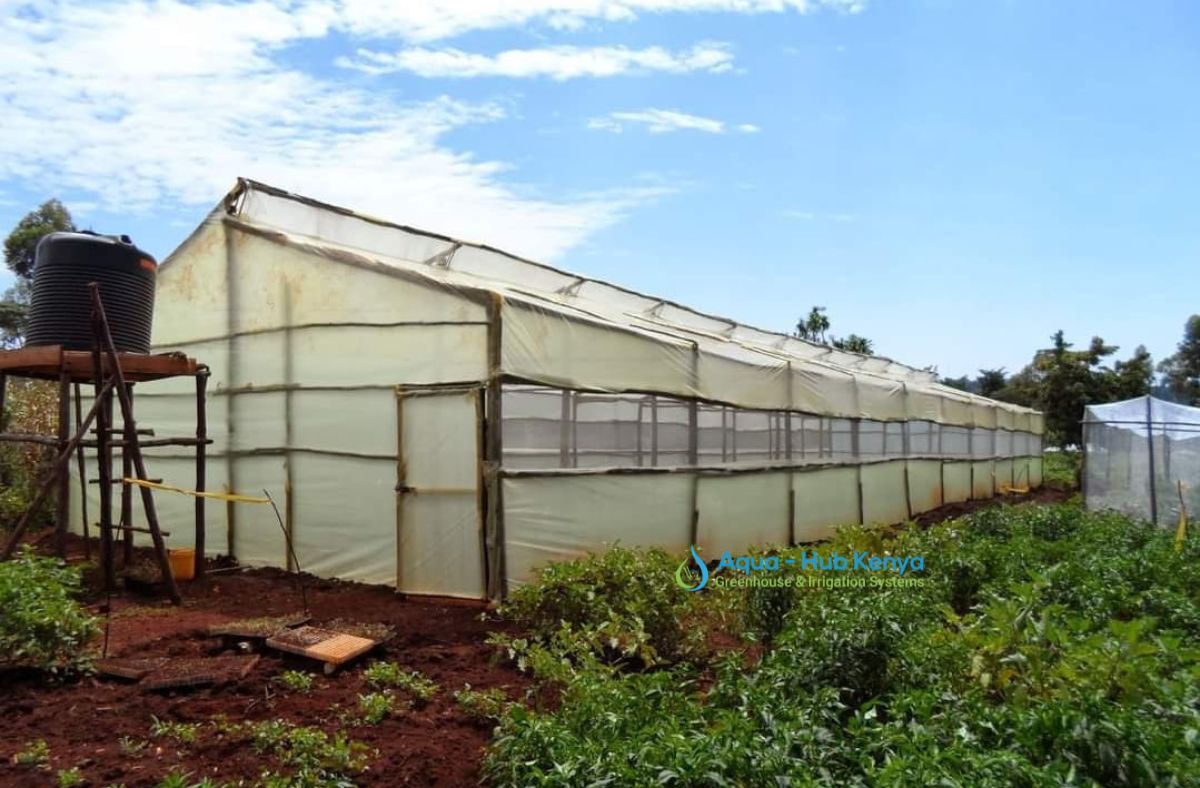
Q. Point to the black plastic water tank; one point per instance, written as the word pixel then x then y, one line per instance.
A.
pixel 61 309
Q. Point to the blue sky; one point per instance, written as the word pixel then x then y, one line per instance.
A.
pixel 955 180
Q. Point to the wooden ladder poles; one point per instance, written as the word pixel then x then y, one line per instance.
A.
pixel 103 348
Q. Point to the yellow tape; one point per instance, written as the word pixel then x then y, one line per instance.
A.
pixel 219 496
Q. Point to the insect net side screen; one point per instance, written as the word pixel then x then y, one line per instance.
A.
pixel 1142 458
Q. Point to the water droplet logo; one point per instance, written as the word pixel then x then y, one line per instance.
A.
pixel 684 576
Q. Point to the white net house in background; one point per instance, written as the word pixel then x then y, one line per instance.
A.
pixel 1137 454
pixel 446 417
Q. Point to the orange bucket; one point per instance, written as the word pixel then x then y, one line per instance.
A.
pixel 183 562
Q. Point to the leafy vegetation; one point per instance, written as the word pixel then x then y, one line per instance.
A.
pixel 30 406
pixel 484 705
pixel 34 753
pixel 612 609
pixel 1061 469
pixel 389 675
pixel 69 778
pixel 180 732
pixel 1046 646
pixel 42 625
pixel 815 328
pixel 374 708
pixel 19 253
pixel 1181 371
pixel 296 681
pixel 312 758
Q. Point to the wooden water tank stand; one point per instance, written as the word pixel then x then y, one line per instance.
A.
pixel 110 372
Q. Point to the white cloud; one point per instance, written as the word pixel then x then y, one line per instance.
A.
pixel 432 20
pixel 557 62
pixel 661 121
pixel 143 106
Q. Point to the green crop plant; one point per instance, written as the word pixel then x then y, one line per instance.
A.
pixel 389 675
pixel 1046 646
pixel 297 681
pixel 35 753
pixel 484 705
pixel 42 626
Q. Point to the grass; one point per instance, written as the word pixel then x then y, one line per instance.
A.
pixel 1046 646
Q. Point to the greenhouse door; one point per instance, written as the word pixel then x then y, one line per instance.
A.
pixel 439 527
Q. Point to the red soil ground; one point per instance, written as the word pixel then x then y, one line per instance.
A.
pixel 83 721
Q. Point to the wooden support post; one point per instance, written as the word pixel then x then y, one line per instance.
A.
pixel 82 464
pixel 564 430
pixel 494 541
pixel 289 440
pixel 62 511
pixel 201 466
pixel 654 430
pixel 103 401
pixel 127 489
pixel 402 490
pixel 907 490
pixel 139 464
pixel 694 443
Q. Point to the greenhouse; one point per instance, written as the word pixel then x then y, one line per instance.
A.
pixel 1142 458
pixel 359 370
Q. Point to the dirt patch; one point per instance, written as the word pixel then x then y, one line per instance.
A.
pixel 84 722
pixel 1046 495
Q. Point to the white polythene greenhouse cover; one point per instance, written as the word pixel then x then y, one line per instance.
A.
pixel 576 332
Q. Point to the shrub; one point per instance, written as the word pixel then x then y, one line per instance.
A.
pixel 31 406
pixel 620 607
pixel 42 625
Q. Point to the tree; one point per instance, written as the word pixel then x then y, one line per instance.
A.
pixel 1061 382
pixel 1132 378
pixel 990 382
pixel 20 249
pixel 854 344
pixel 815 328
pixel 962 384
pixel 1182 370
